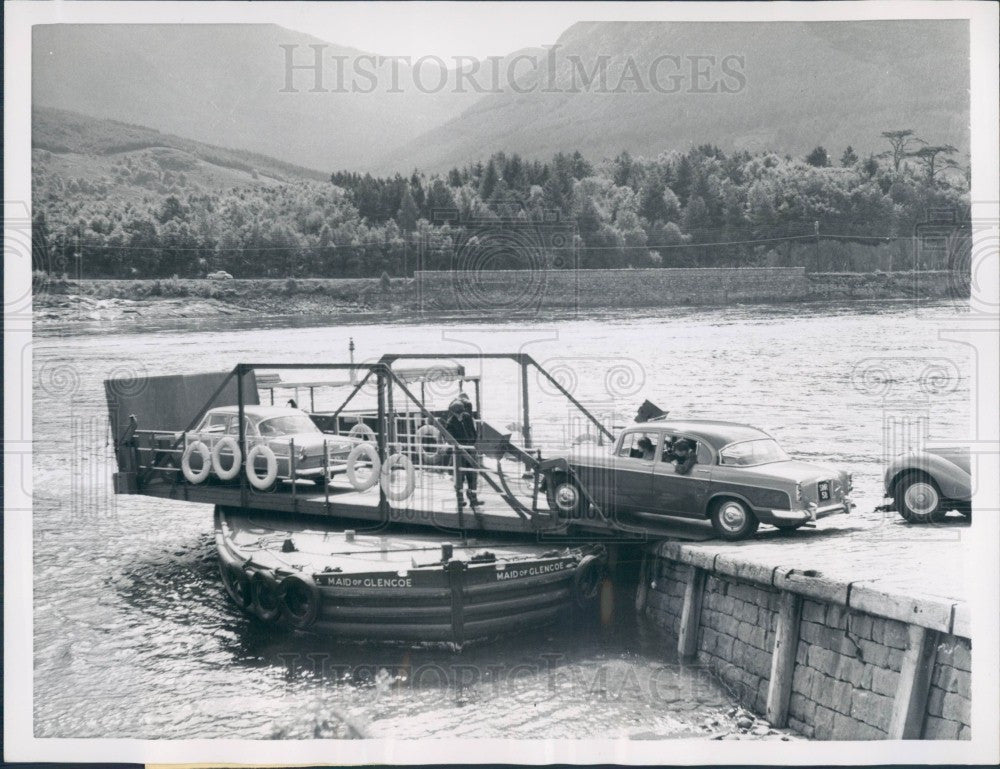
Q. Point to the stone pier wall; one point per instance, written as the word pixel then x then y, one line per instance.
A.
pixel 850 678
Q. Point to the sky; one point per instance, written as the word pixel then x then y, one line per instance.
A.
pixel 443 29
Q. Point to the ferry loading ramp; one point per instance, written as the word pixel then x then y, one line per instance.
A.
pixel 153 420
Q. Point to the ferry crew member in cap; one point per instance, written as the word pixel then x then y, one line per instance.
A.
pixel 685 456
pixel 462 427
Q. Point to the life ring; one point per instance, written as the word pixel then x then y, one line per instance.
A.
pixel 266 596
pixel 267 481
pixel 587 579
pixel 362 431
pixel 299 601
pixel 428 453
pixel 206 462
pixel 226 443
pixel 372 457
pixel 406 464
pixel 237 584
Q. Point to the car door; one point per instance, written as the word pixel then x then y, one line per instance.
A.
pixel 633 470
pixel 679 494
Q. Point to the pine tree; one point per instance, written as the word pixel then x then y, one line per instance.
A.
pixel 488 182
pixel 408 213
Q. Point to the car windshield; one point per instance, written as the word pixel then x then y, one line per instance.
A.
pixel 293 424
pixel 756 452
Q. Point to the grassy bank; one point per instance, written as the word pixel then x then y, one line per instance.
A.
pixel 61 300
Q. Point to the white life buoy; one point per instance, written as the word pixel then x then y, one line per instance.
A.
pixel 206 462
pixel 406 464
pixel 362 431
pixel 226 474
pixel 270 476
pixel 429 452
pixel 353 460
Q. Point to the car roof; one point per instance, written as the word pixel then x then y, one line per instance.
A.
pixel 716 433
pixel 260 412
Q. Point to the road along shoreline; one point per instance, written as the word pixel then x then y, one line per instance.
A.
pixel 480 294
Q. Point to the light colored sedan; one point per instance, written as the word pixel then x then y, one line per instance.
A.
pixel 280 429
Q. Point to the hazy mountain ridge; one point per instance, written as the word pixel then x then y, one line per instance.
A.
pixel 832 83
pixel 222 84
pixel 806 84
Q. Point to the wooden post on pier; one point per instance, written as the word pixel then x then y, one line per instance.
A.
pixel 910 705
pixel 786 642
pixel 687 639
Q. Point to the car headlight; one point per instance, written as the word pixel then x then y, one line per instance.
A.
pixel 798 491
pixel 302 454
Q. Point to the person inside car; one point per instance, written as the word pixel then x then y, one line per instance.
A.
pixel 685 456
pixel 646 448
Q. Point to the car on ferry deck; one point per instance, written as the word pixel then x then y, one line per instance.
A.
pixel 280 428
pixel 739 478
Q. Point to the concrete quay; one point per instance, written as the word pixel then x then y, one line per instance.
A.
pixel 855 630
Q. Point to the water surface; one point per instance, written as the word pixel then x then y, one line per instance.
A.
pixel 133 634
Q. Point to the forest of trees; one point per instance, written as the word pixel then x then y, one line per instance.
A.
pixel 702 207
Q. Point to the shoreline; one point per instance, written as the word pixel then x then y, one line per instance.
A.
pixel 61 303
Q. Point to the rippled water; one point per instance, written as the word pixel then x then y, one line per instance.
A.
pixel 133 634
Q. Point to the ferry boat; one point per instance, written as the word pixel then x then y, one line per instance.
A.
pixel 389 585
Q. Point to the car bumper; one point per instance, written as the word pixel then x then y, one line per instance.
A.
pixel 312 473
pixel 811 513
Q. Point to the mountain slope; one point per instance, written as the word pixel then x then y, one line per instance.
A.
pixel 222 84
pixel 100 155
pixel 832 84
pixel 803 84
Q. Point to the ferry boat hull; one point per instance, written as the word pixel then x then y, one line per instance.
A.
pixel 398 587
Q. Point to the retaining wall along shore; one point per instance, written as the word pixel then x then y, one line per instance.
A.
pixel 833 660
pixel 533 290
pixel 529 290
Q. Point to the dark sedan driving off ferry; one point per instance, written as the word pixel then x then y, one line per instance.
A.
pixel 732 474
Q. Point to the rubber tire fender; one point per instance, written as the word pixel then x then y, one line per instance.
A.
pixel 266 596
pixel 237 584
pixel 206 462
pixel 429 431
pixel 352 461
pixel 362 431
pixel 265 483
pixel 587 578
pixel 397 495
pixel 300 619
pixel 230 443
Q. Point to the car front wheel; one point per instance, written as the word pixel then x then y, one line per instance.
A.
pixel 733 520
pixel 918 499
pixel 565 497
